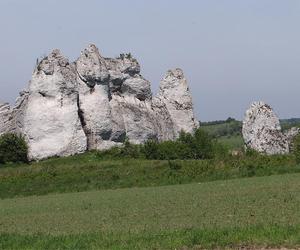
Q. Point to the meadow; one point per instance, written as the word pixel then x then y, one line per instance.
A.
pixel 90 171
pixel 258 211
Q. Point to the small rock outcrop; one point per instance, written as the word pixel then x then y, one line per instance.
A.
pixel 262 131
pixel 96 103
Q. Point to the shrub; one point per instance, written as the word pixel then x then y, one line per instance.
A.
pixel 174 165
pixel 220 150
pixel 203 145
pixel 151 150
pixel 200 144
pixel 171 150
pixel 131 150
pixel 128 150
pixel 13 148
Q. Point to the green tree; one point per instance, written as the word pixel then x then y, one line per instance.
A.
pixel 151 149
pixel 202 147
pixel 13 148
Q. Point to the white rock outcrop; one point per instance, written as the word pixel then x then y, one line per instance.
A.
pixel 262 131
pixel 174 93
pixel 51 123
pixel 95 103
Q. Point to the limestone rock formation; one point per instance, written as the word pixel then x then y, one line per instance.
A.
pixel 94 95
pixel 95 103
pixel 51 123
pixel 262 131
pixel 130 101
pixel 174 93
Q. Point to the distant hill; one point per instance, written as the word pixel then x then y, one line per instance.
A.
pixel 232 127
pixel 229 127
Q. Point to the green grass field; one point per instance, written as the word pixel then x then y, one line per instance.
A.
pixel 251 211
pixel 88 172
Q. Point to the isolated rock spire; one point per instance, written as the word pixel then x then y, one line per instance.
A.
pixel 174 93
pixel 95 103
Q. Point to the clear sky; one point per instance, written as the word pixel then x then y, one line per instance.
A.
pixel 233 52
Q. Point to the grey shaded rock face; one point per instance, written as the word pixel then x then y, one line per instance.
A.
pixel 262 131
pixel 125 78
pixel 96 103
pixel 5 116
pixel 12 119
pixel 134 117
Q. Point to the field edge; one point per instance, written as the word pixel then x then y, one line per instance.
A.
pixel 275 236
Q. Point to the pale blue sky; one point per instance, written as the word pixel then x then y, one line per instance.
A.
pixel 233 52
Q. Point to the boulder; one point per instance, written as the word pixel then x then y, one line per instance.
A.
pixel 262 131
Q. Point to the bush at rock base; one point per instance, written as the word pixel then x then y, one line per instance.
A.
pixel 199 145
pixel 13 148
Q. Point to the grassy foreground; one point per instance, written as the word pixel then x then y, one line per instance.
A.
pixel 251 211
pixel 89 172
pixel 233 238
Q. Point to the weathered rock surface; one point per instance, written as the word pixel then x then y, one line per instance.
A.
pixel 94 96
pixel 51 123
pixel 291 134
pixel 174 93
pixel 95 103
pixel 262 131
pixel 5 116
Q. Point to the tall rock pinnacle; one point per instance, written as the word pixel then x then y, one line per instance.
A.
pixel 174 93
